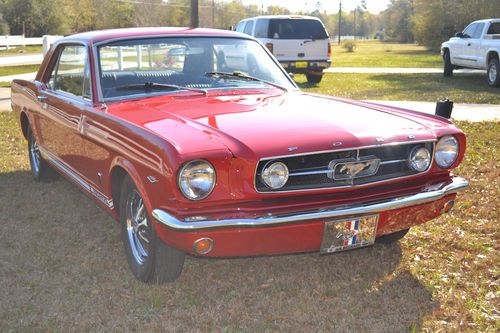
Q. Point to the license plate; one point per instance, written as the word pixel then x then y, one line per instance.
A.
pixel 301 64
pixel 346 234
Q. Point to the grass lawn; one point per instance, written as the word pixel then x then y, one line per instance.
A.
pixel 22 50
pixel 12 70
pixel 462 88
pixel 62 267
pixel 379 54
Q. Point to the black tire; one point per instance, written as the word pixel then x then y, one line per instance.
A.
pixel 493 73
pixel 159 263
pixel 314 78
pixel 39 167
pixel 448 67
pixel 392 238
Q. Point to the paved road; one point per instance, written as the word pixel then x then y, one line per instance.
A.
pixel 469 112
pixel 20 59
pixel 9 78
pixel 388 70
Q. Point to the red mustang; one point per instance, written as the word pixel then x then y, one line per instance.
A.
pixel 198 142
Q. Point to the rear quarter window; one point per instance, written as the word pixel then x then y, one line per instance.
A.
pixel 261 28
pixel 296 29
pixel 494 29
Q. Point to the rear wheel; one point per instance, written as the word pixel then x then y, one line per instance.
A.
pixel 39 168
pixel 493 74
pixel 392 238
pixel 314 77
pixel 448 67
pixel 149 259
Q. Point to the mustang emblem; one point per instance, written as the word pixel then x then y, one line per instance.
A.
pixel 350 169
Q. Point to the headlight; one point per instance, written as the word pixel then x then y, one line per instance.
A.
pixel 420 159
pixel 196 179
pixel 446 151
pixel 275 175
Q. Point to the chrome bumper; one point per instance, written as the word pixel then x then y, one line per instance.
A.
pixel 429 194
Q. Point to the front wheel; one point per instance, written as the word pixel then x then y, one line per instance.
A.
pixel 314 77
pixel 448 67
pixel 492 75
pixel 149 259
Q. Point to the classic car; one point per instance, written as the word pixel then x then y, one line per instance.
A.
pixel 198 142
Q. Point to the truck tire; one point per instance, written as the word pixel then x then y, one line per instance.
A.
pixel 448 67
pixel 493 73
pixel 149 259
pixel 314 78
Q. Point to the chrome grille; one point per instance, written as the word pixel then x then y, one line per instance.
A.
pixel 314 171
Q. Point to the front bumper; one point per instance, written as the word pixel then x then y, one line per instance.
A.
pixel 428 195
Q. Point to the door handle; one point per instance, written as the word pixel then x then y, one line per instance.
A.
pixel 468 44
pixel 41 98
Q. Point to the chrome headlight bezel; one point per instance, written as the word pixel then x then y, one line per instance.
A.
pixel 446 158
pixel 189 170
pixel 265 174
pixel 419 151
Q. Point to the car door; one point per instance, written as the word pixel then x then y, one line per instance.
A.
pixel 473 48
pixel 65 97
pixel 458 49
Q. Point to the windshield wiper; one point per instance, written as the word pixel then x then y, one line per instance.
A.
pixel 240 76
pixel 149 86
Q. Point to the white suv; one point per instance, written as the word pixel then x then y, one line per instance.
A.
pixel 300 43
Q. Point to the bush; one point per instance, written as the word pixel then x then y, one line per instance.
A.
pixel 349 45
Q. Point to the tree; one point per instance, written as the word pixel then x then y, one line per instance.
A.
pixel 398 20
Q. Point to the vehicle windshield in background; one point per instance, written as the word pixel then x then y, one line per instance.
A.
pixel 296 29
pixel 186 63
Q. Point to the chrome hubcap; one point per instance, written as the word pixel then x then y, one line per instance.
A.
pixel 35 155
pixel 492 73
pixel 137 227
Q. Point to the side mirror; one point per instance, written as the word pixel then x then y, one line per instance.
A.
pixel 459 35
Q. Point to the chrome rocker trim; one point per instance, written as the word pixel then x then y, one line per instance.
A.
pixel 429 194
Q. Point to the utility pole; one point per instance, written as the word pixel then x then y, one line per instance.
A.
pixel 340 19
pixel 195 18
pixel 213 13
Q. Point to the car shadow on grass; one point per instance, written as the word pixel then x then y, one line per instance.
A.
pixel 62 268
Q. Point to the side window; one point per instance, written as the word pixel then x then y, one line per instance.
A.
pixel 469 31
pixel 71 72
pixel 240 26
pixel 479 31
pixel 248 28
pixel 494 29
pixel 261 28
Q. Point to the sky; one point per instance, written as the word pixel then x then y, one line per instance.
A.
pixel 331 6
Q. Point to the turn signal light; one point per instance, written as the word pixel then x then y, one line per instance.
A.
pixel 270 47
pixel 448 206
pixel 203 245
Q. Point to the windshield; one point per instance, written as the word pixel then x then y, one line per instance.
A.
pixel 187 62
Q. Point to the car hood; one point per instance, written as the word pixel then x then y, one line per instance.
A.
pixel 262 125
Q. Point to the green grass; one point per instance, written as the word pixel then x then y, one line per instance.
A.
pixel 12 70
pixel 22 50
pixel 5 84
pixel 380 54
pixel 62 267
pixel 462 88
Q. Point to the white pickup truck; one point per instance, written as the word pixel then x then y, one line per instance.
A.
pixel 478 46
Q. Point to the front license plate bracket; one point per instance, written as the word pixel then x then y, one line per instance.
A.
pixel 349 233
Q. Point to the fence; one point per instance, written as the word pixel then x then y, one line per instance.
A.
pixel 19 40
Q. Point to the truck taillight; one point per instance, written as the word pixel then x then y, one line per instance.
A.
pixel 329 50
pixel 270 47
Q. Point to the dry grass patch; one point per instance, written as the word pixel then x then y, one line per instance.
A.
pixel 62 268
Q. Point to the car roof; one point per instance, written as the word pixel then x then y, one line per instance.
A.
pixel 283 17
pixel 495 20
pixel 99 36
